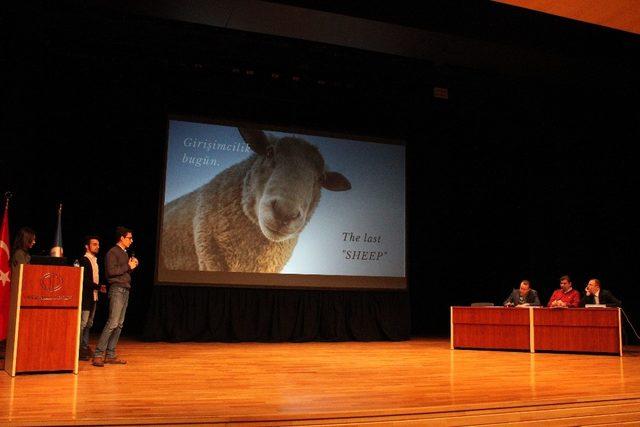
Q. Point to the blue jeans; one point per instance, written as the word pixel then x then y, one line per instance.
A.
pixel 86 323
pixel 118 300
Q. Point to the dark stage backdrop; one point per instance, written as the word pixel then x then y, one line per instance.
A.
pixel 86 122
pixel 512 177
pixel 213 314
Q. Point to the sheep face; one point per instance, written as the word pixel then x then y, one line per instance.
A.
pixel 282 188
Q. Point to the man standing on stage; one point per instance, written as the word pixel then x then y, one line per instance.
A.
pixel 90 289
pixel 118 266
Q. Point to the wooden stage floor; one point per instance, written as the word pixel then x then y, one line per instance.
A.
pixel 416 382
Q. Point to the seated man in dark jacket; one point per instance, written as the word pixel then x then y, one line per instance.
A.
pixel 523 297
pixel 595 295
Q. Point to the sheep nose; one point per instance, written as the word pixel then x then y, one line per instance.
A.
pixel 284 212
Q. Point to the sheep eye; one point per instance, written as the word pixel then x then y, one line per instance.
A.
pixel 269 152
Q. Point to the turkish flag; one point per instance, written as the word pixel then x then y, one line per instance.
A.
pixel 5 274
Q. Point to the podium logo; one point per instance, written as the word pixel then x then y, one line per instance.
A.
pixel 51 282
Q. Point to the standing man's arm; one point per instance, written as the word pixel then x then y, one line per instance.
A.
pixel 87 276
pixel 113 268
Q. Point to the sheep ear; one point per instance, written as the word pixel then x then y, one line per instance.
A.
pixel 334 181
pixel 256 139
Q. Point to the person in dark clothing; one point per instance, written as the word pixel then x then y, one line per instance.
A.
pixel 25 239
pixel 90 289
pixel 595 295
pixel 118 266
pixel 23 242
pixel 523 297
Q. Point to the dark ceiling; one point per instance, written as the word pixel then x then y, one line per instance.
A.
pixel 486 36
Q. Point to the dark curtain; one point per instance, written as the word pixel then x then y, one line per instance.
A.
pixel 200 313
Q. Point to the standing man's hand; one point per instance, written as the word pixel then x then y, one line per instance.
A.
pixel 133 263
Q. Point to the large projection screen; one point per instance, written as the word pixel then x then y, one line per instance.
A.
pixel 247 205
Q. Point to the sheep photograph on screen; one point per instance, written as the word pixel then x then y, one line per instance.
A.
pixel 248 218
pixel 250 206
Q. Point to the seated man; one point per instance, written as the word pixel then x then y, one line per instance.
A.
pixel 523 297
pixel 595 295
pixel 566 296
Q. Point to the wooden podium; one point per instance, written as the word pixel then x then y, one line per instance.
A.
pixel 44 319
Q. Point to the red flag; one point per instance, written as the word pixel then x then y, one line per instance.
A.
pixel 5 273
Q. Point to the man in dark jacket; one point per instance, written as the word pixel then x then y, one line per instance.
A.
pixel 595 295
pixel 523 297
pixel 90 289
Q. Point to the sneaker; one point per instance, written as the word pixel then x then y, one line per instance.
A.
pixel 115 361
pixel 98 361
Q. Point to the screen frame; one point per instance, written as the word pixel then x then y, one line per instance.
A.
pixel 274 280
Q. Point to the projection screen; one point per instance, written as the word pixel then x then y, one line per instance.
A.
pixel 246 205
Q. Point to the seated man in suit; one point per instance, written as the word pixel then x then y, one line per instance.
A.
pixel 523 297
pixel 566 296
pixel 595 295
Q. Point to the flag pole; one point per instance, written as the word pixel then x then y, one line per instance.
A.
pixel 7 196
pixel 57 250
